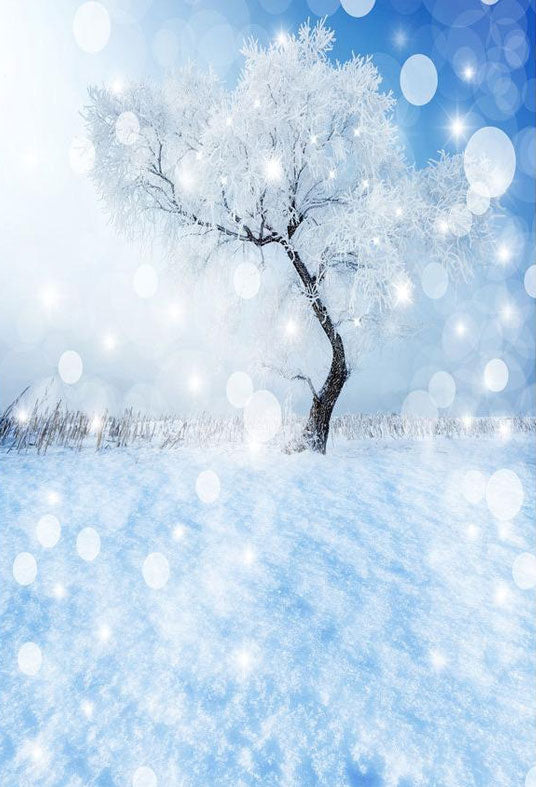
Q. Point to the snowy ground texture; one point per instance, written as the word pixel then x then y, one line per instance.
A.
pixel 355 619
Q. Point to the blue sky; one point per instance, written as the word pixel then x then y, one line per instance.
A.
pixel 67 275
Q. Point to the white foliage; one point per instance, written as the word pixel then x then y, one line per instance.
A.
pixel 300 158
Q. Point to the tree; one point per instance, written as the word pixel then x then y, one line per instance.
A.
pixel 299 162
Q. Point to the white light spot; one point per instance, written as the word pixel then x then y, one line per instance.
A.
pixel 418 80
pixel 22 416
pixel 207 486
pixel 332 174
pixel 127 128
pixel 468 73
pixel 504 494
pixel 49 297
pixel 249 556
pixel 144 777
pixel 24 568
pixel 460 328
pixel 88 544
pixel 117 86
pixel 457 127
pixel 474 486
pixel 87 709
pixel 502 595
pixel 246 280
pixel 96 424
pixel 145 281
pixel 530 281
pixel 441 225
pixel 473 533
pixel 291 328
pixel 503 254
pixel 104 633
pixel 155 570
pixel 496 375
pixel 81 155
pixel 434 280
pixel 358 8
pixel 70 367
pixel 489 161
pixel 505 430
pixel 273 170
pixel 403 292
pixel 244 660
pixel 91 27
pixel 467 421
pixel 109 342
pixel 59 591
pixel 239 389
pixel 30 658
pixel 179 531
pixel 442 389
pixel 438 660
pixel 524 571
pixel 53 498
pixel 262 417
pixel 194 383
pixel 48 531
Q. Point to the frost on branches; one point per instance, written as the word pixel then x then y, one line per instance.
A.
pixel 300 168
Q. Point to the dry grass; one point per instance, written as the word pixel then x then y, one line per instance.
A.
pixel 43 428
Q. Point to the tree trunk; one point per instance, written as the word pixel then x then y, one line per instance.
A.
pixel 316 430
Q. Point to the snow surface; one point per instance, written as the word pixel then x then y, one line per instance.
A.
pixel 340 620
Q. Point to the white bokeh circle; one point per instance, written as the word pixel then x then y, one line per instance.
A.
pixel 442 389
pixel 524 571
pixel 419 404
pixel 91 27
pixel 155 570
pixel 88 544
pixel 529 281
pixel 504 494
pixel 358 8
pixel 145 281
pixel 460 220
pixel 24 568
pixel 48 531
pixel 239 389
pixel 474 486
pixel 144 777
pixel 127 128
pixel 530 778
pixel 70 367
pixel 496 375
pixel 489 161
pixel 434 280
pixel 478 199
pixel 246 280
pixel 30 658
pixel 262 416
pixel 418 80
pixel 207 486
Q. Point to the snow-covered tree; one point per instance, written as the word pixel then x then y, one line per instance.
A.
pixel 302 164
